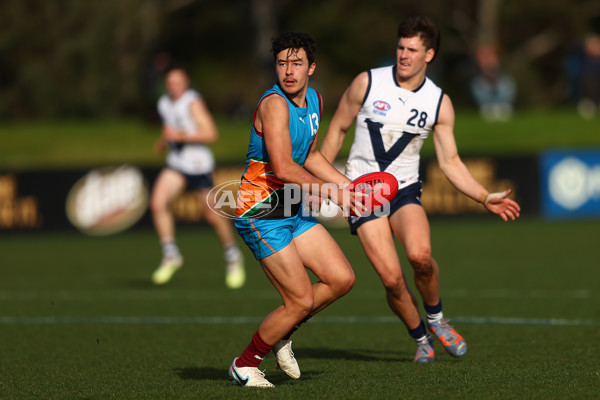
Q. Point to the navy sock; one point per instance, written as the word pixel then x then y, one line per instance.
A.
pixel 419 332
pixel 433 309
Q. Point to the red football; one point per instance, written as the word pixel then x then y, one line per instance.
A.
pixel 380 187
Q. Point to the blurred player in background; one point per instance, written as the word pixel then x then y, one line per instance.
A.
pixel 396 108
pixel 188 127
pixel 285 239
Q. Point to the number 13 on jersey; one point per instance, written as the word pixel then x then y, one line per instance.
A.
pixel 314 123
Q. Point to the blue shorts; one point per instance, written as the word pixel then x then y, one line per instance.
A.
pixel 411 194
pixel 267 236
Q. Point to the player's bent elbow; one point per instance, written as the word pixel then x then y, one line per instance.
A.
pixel 282 172
pixel 447 166
pixel 444 167
pixel 212 138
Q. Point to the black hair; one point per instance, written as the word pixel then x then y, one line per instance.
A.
pixel 178 66
pixel 423 27
pixel 295 40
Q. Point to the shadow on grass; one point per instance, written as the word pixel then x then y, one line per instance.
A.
pixel 201 373
pixel 356 355
pixel 276 377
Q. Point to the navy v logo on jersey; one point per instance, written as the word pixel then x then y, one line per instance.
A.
pixel 385 158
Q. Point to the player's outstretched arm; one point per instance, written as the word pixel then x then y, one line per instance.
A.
pixel 457 172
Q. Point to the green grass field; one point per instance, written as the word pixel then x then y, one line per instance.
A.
pixel 80 319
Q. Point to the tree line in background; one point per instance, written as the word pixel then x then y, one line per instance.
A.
pixel 70 58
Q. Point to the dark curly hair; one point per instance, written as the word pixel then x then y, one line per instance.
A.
pixel 295 40
pixel 423 27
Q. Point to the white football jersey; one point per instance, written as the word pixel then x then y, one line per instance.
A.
pixel 189 158
pixel 392 126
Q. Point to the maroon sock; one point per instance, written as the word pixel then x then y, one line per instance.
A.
pixel 254 353
pixel 295 328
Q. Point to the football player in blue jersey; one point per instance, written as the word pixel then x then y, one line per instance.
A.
pixel 282 236
pixel 395 109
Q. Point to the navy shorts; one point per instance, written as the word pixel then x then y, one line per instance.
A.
pixel 197 182
pixel 410 194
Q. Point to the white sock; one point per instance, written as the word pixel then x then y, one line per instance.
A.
pixel 232 253
pixel 170 249
pixel 422 339
pixel 435 317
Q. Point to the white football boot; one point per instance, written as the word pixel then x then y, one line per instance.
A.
pixel 285 358
pixel 248 376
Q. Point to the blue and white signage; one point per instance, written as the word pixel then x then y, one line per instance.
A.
pixel 570 183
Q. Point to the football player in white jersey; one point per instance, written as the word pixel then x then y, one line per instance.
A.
pixel 395 109
pixel 188 127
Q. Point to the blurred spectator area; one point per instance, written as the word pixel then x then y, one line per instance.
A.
pixel 582 66
pixel 68 58
pixel 494 90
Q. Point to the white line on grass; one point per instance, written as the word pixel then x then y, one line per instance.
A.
pixel 159 294
pixel 113 320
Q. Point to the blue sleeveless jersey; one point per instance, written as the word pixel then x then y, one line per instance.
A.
pixel 260 194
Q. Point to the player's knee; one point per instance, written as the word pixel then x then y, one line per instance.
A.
pixel 157 205
pixel 421 262
pixel 393 281
pixel 210 217
pixel 344 283
pixel 303 306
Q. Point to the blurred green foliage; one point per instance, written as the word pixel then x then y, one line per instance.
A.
pixel 68 58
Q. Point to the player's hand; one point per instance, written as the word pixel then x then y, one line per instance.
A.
pixel 160 145
pixel 351 202
pixel 500 204
pixel 171 135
